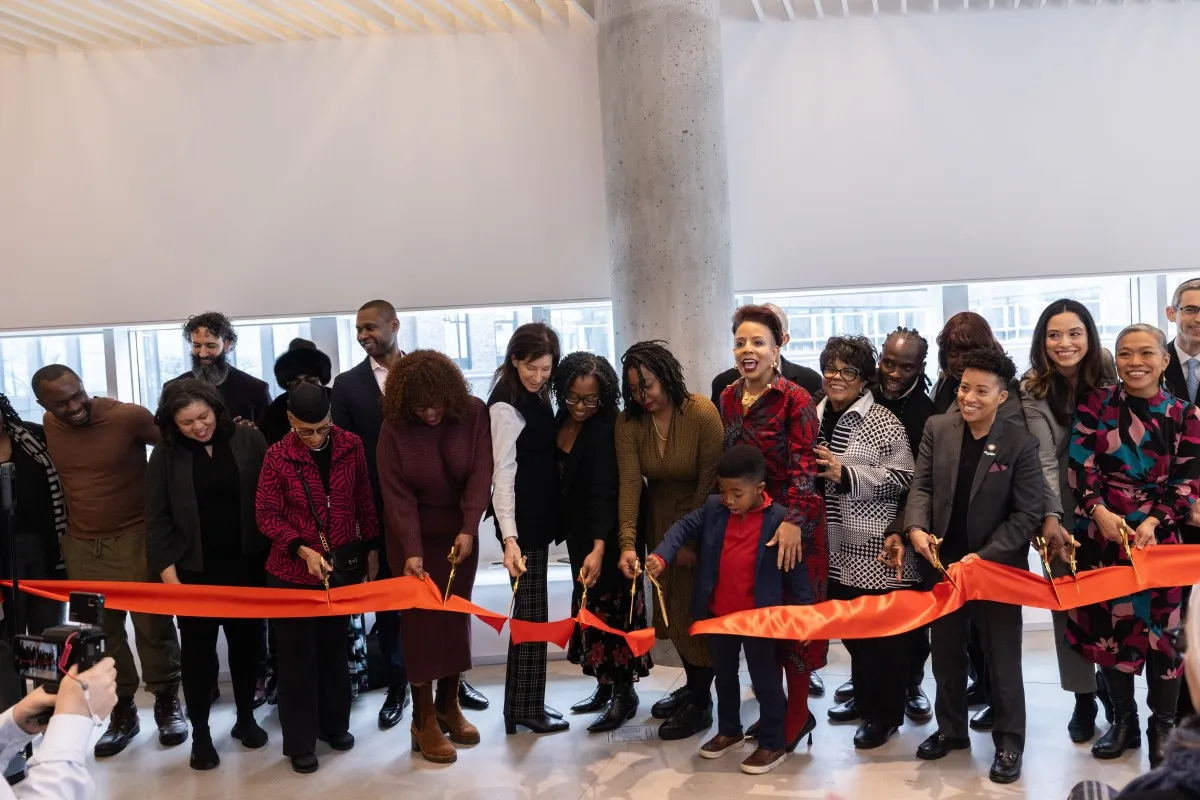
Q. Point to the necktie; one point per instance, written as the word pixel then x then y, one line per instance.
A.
pixel 1193 379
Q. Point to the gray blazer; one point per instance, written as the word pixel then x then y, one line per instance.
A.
pixel 1007 494
pixel 1053 440
pixel 172 517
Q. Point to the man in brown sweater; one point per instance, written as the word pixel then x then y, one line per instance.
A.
pixel 99 449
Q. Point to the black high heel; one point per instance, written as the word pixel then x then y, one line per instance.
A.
pixel 542 724
pixel 807 730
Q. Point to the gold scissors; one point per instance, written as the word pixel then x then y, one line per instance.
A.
pixel 512 606
pixel 453 559
pixel 1043 549
pixel 1126 534
pixel 637 573
pixel 937 560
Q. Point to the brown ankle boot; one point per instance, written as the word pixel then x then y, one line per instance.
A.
pixel 427 738
pixel 449 713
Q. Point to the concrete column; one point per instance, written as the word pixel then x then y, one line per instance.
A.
pixel 663 111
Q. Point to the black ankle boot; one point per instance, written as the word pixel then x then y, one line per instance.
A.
pixel 204 755
pixel 1122 735
pixel 622 708
pixel 1082 726
pixel 596 701
pixel 1163 699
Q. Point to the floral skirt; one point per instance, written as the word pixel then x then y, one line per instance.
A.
pixel 603 656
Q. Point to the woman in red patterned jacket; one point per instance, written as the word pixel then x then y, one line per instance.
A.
pixel 767 411
pixel 315 505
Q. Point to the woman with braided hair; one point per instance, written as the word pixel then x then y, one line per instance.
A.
pixel 41 513
pixel 668 443
pixel 589 398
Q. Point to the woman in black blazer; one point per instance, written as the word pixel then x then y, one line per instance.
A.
pixel 200 529
pixel 588 394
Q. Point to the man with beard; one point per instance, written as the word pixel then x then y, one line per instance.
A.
pixel 213 338
pixel 99 449
pixel 903 390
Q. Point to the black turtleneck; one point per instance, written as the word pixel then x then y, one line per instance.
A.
pixel 913 408
pixel 218 496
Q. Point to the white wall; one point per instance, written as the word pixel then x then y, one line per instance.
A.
pixel 964 145
pixel 301 178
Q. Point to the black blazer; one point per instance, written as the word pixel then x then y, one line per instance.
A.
pixel 589 481
pixel 245 396
pixel 356 404
pixel 172 517
pixel 800 375
pixel 1007 494
pixel 1176 380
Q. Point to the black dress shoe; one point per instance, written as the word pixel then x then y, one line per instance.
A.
pixel 1082 726
pixel 687 722
pixel 939 745
pixel 872 734
pixel 984 719
pixel 755 727
pixel 204 755
pixel 844 712
pixel 596 701
pixel 551 712
pixel 1006 767
pixel 975 694
pixel 469 696
pixel 844 692
pixel 542 724
pixel 123 725
pixel 338 741
pixel 622 709
pixel 168 715
pixel 305 764
pixel 816 686
pixel 917 707
pixel 393 708
pixel 669 705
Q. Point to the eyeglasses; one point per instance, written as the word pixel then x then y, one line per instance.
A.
pixel 1177 636
pixel 308 433
pixel 845 373
pixel 586 402
pixel 1188 311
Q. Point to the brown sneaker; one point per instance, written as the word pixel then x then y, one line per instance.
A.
pixel 761 761
pixel 720 745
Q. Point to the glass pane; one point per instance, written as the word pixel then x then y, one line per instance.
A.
pixel 23 354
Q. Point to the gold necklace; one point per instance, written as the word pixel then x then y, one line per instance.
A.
pixel 654 422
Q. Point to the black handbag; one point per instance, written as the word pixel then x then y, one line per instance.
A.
pixel 349 561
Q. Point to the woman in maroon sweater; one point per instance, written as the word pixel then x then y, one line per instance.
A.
pixel 435 472
pixel 314 497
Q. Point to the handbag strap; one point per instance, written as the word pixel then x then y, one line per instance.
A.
pixel 312 506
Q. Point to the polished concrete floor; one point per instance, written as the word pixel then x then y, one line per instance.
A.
pixel 578 765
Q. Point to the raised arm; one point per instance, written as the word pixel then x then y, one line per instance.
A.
pixel 143 427
pixel 687 530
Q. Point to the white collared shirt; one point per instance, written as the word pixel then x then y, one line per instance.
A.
pixel 507 424
pixel 58 768
pixel 380 373
pixel 1184 355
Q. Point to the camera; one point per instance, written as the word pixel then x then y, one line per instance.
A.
pixel 78 642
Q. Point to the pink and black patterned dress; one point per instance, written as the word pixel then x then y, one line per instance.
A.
pixel 1138 457
pixel 783 425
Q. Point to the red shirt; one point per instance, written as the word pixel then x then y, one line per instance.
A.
pixel 739 554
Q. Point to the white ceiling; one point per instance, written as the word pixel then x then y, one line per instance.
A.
pixel 48 26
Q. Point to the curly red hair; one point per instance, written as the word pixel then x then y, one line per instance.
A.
pixel 425 379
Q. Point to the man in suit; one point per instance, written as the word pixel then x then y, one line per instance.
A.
pixel 800 375
pixel 977 493
pixel 213 338
pixel 1183 381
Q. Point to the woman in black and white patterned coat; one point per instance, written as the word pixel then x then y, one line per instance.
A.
pixel 866 467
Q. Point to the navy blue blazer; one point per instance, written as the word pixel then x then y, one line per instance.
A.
pixel 706 525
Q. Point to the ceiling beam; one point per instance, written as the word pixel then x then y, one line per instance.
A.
pixel 527 11
pixel 136 35
pixel 107 5
pixel 585 7
pixel 556 10
pixel 11 47
pixel 24 29
pixel 159 13
pixel 349 22
pixel 42 8
pixel 819 9
pixel 473 18
pixel 248 21
pixel 758 10
pixel 789 10
pixel 304 16
pixel 439 15
pixel 500 17
pixel 404 17
pixel 903 6
pixel 40 23
pixel 875 8
pixel 278 18
pixel 845 8
pixel 35 42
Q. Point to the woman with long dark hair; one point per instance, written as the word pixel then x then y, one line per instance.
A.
pixel 668 444
pixel 588 395
pixel 1135 473
pixel 200 529
pixel 435 472
pixel 767 411
pixel 526 506
pixel 1067 365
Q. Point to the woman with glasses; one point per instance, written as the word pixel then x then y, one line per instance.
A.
pixel 668 444
pixel 201 529
pixel 315 504
pixel 866 466
pixel 588 395
pixel 1135 474
pixel 435 473
pixel 765 410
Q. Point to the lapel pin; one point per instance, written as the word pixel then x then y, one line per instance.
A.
pixel 991 449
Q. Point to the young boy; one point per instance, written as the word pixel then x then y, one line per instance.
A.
pixel 737 573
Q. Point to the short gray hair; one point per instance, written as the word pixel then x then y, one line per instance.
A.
pixel 783 317
pixel 1192 285
pixel 1142 327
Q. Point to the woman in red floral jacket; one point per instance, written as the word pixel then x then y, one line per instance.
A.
pixel 767 411
pixel 314 497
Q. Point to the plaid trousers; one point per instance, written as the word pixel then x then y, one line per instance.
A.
pixel 525 674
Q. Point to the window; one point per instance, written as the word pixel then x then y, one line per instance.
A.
pixel 458 338
pixel 584 327
pixel 23 354
pixel 503 329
